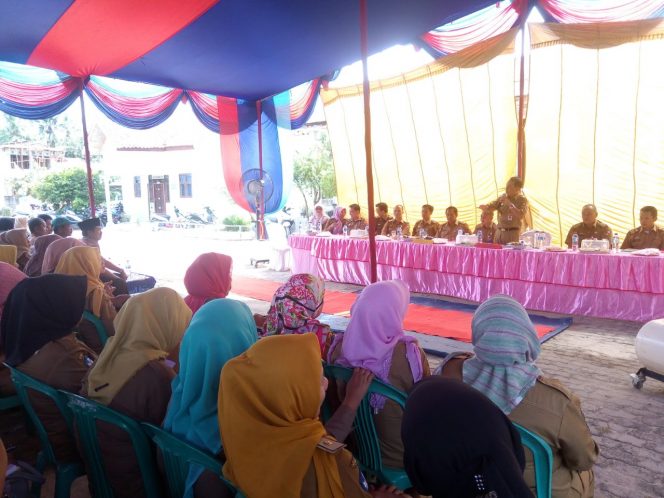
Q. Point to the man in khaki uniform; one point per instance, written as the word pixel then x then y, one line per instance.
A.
pixel 430 226
pixel 356 221
pixel 487 226
pixel 398 221
pixel 590 228
pixel 512 208
pixel 648 235
pixel 381 217
pixel 450 229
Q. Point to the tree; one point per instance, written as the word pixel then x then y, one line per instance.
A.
pixel 12 131
pixel 69 187
pixel 58 131
pixel 313 172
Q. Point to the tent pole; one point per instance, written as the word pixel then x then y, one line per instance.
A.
pixel 521 135
pixel 366 93
pixel 88 165
pixel 260 219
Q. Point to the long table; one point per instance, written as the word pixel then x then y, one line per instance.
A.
pixel 621 286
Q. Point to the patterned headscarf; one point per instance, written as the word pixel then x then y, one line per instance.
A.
pixel 295 306
pixel 375 329
pixel 506 347
pixel 208 277
pixel 33 268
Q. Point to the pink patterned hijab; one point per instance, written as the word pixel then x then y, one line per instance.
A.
pixel 54 252
pixel 375 329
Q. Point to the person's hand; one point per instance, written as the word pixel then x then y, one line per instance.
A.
pixel 357 387
pixel 482 207
pixel 109 289
pixel 118 301
pixel 387 491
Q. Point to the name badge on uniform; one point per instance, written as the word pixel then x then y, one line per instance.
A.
pixel 330 445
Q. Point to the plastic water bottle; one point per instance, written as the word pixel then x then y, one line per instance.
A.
pixel 616 243
pixel 575 242
pixel 345 230
pixel 479 236
pixel 423 233
pixel 399 233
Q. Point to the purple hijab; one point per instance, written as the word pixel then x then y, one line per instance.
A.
pixel 338 227
pixel 375 329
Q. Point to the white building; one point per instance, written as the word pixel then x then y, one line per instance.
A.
pixel 177 164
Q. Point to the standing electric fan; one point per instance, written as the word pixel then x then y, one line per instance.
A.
pixel 258 188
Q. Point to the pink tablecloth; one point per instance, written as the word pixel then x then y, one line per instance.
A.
pixel 605 285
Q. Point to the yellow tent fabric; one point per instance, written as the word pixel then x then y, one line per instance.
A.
pixel 443 134
pixel 595 123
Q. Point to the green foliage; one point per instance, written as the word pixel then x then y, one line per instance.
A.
pixel 69 186
pixel 234 219
pixel 12 131
pixel 313 172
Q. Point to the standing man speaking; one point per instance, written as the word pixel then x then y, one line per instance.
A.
pixel 512 209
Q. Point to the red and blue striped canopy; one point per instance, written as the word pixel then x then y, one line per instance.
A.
pixel 248 49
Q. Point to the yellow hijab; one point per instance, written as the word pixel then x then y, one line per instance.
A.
pixel 269 398
pixel 8 254
pixel 148 327
pixel 85 261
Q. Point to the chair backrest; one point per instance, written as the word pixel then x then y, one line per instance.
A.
pixel 23 383
pixel 367 438
pixel 87 413
pixel 98 324
pixel 543 459
pixel 178 455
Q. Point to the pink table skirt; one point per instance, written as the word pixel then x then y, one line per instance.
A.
pixel 604 285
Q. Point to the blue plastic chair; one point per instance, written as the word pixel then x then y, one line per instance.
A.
pixel 178 455
pixel 99 326
pixel 87 413
pixel 543 458
pixel 368 443
pixel 65 472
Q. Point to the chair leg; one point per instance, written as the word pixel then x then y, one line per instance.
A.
pixel 63 481
pixel 41 465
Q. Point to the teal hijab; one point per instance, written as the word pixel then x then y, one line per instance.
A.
pixel 220 330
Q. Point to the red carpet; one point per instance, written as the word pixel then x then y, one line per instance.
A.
pixel 424 319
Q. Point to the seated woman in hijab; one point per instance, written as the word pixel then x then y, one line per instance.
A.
pixel 335 225
pixel 220 330
pixel 374 340
pixel 207 278
pixel 133 377
pixel 34 266
pixel 458 444
pixel 38 338
pixel 9 277
pixel 294 309
pixel 18 237
pixel 268 416
pixel 86 261
pixel 503 368
pixel 55 250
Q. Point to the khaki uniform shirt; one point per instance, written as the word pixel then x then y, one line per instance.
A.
pixel 599 231
pixel 640 238
pixel 488 234
pixel 380 224
pixel 430 226
pixel 392 225
pixel 360 224
pixel 507 218
pixel 449 232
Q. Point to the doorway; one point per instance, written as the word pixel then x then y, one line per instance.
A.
pixel 158 190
